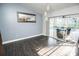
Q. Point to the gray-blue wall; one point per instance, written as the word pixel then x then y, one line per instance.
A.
pixel 9 26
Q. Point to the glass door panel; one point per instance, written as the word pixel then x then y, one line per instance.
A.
pixel 63 24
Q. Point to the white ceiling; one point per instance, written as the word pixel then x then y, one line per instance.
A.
pixel 41 7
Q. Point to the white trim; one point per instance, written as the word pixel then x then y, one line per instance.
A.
pixel 20 39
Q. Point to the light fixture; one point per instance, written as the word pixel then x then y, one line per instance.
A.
pixel 48 7
pixel 45 13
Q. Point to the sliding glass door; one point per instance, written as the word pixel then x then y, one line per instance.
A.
pixel 60 27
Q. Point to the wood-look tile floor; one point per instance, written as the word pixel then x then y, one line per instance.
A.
pixel 39 46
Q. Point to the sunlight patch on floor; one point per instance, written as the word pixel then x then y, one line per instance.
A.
pixel 66 49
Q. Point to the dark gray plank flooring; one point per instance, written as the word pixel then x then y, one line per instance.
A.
pixel 30 47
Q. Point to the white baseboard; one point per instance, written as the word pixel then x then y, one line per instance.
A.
pixel 20 39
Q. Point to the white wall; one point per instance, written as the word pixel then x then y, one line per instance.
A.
pixel 45 26
pixel 65 11
pixel 11 29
